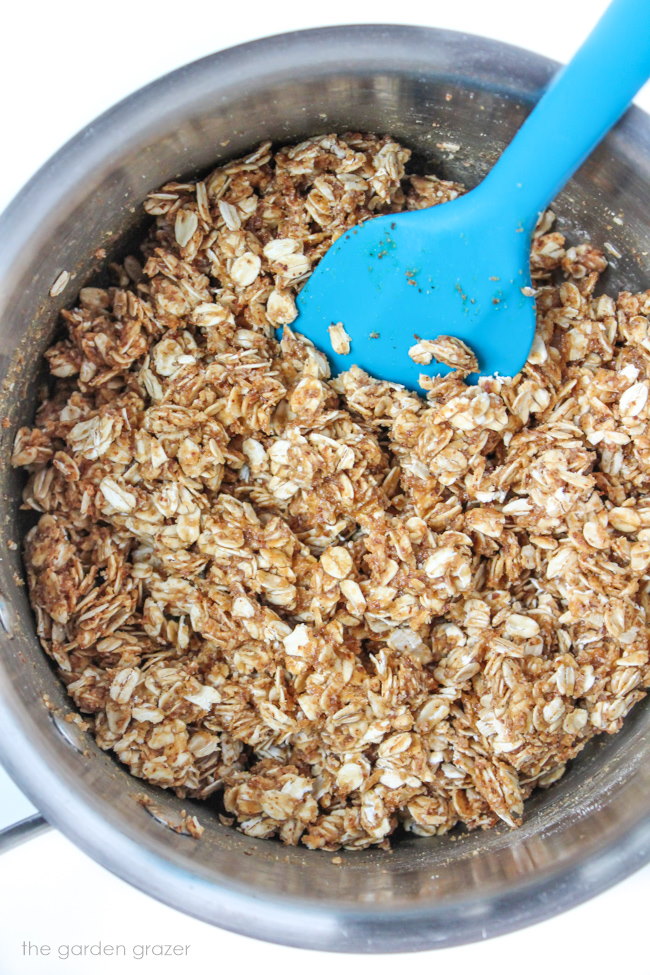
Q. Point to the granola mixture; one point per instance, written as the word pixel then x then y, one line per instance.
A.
pixel 344 605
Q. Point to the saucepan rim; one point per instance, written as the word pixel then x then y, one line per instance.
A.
pixel 284 919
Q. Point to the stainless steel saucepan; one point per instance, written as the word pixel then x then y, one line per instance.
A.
pixel 456 100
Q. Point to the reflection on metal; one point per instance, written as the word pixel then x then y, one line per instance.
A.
pixel 6 616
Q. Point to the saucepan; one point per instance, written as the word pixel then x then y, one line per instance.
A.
pixel 456 101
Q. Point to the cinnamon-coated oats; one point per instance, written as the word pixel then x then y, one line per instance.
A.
pixel 447 349
pixel 339 339
pixel 343 604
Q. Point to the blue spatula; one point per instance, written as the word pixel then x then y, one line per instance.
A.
pixel 462 268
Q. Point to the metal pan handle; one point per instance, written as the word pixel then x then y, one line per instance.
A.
pixel 19 820
pixel 23 830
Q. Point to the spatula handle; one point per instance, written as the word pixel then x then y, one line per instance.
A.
pixel 582 103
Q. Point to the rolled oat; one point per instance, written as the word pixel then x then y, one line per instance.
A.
pixel 344 606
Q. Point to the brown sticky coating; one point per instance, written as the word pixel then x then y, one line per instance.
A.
pixel 345 605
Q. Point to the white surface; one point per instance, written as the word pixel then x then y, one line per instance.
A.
pixel 52 895
pixel 13 807
pixel 62 64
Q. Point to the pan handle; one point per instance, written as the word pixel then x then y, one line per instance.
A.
pixel 23 830
pixel 19 820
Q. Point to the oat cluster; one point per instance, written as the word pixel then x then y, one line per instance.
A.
pixel 451 351
pixel 345 606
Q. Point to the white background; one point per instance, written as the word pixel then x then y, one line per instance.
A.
pixel 61 64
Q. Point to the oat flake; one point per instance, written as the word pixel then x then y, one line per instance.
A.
pixel 343 605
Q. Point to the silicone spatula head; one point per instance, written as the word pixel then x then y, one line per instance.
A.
pixel 461 268
pixel 453 269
